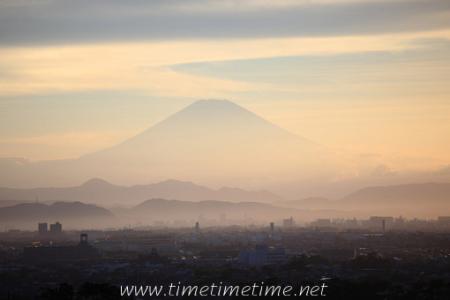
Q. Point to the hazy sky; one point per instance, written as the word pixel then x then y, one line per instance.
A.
pixel 363 76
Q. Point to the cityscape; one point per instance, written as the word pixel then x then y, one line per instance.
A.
pixel 392 256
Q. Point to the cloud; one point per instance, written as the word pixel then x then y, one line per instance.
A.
pixel 146 66
pixel 50 22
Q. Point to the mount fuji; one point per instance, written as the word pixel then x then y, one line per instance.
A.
pixel 214 142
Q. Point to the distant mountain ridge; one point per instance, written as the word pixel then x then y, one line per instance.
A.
pixel 173 210
pixel 310 203
pixel 101 192
pixel 77 215
pixel 439 191
pixel 408 200
pixel 412 200
pixel 69 213
pixel 418 199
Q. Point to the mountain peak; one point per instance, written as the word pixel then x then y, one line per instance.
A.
pixel 176 183
pixel 210 141
pixel 96 182
pixel 214 103
pixel 213 141
pixel 214 106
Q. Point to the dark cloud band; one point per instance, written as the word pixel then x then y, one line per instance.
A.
pixel 54 22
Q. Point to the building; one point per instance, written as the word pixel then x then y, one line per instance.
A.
pixel 197 227
pixel 381 223
pixel 42 228
pixel 56 228
pixel 288 222
pixel 84 239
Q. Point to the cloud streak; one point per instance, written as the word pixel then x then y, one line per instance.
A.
pixel 56 22
pixel 145 66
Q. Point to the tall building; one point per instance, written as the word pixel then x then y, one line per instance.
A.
pixel 56 228
pixel 83 239
pixel 288 222
pixel 43 228
pixel 197 226
pixel 381 222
